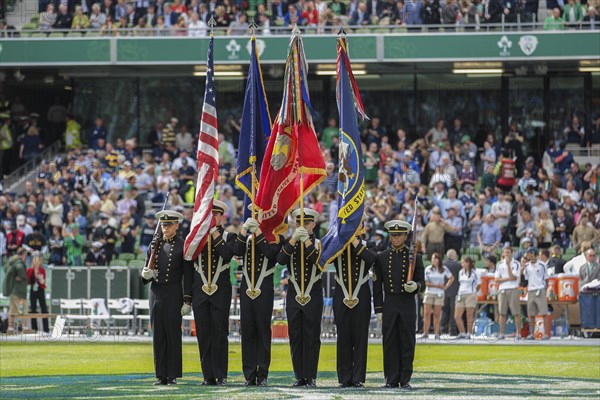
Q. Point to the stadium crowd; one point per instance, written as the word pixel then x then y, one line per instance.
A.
pixel 190 18
pixel 97 200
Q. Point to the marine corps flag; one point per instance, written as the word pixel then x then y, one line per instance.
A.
pixel 351 186
pixel 293 152
pixel 254 131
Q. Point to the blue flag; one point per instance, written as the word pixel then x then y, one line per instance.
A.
pixel 254 131
pixel 351 186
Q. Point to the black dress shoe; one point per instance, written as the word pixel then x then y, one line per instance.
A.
pixel 160 381
pixel 221 382
pixel 391 385
pixel 311 383
pixel 359 385
pixel 345 385
pixel 171 381
pixel 407 386
pixel 209 382
pixel 250 382
pixel 262 382
pixel 300 382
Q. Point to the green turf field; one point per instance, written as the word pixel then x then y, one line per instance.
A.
pixel 124 370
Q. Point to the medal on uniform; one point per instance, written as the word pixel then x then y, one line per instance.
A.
pixel 209 289
pixel 351 303
pixel 303 300
pixel 253 293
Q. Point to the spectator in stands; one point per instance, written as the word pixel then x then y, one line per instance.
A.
pixel 80 22
pixel 450 13
pixel 438 133
pixel 554 21
pixel 337 7
pixel 556 263
pixel 310 15
pixel 142 28
pixel 196 28
pixel 14 238
pixel 64 19
pixel 110 28
pixel 433 235
pixel 132 17
pixel 57 250
pixel 575 132
pixel 74 243
pixel 573 13
pixel 31 143
pixel 360 17
pixel 108 8
pixel 430 12
pixel 95 256
pixel 592 19
pixel 47 18
pixel 97 18
pixel 584 231
pixel 412 12
pixel 546 228
pixel 329 184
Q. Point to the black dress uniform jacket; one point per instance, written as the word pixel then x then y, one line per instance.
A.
pixel 166 298
pixel 399 311
pixel 352 313
pixel 211 311
pixel 256 312
pixel 304 320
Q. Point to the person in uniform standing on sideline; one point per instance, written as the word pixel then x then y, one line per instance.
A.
pixel 507 277
pixel 535 271
pixel 352 312
pixel 304 308
pixel 438 278
pixel 466 300
pixel 256 300
pixel 398 307
pixel 211 294
pixel 168 300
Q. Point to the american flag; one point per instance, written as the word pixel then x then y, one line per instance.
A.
pixel 208 167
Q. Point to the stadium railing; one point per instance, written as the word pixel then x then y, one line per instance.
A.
pixel 33 31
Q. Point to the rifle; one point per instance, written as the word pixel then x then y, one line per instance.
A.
pixel 415 246
pixel 156 239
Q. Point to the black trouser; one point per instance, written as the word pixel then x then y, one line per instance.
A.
pixel 448 324
pixel 399 319
pixel 304 327
pixel 165 317
pixel 255 316
pixel 352 335
pixel 34 297
pixel 212 319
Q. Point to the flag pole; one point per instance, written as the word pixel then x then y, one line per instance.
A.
pixel 253 27
pixel 349 255
pixel 302 225
pixel 253 214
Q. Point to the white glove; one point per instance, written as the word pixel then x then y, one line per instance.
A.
pixel 251 225
pixel 147 273
pixel 186 309
pixel 303 234
pixel 213 230
pixel 411 286
pixel 296 234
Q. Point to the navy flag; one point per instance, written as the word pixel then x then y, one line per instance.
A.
pixel 351 183
pixel 254 131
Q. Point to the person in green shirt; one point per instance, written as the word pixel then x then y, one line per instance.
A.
pixel 329 132
pixel 16 281
pixel 488 179
pixel 554 22
pixel 74 246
